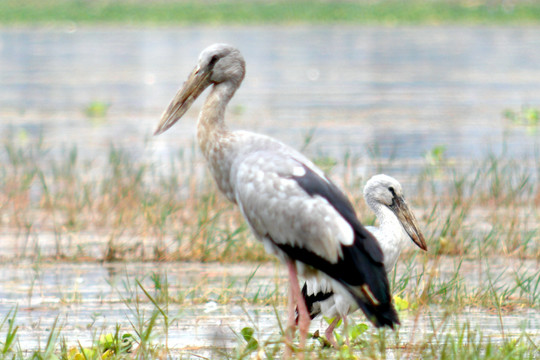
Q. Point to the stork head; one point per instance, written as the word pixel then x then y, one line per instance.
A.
pixel 218 63
pixel 386 190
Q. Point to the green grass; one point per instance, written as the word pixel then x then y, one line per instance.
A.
pixel 153 306
pixel 148 215
pixel 448 338
pixel 265 12
pixel 483 209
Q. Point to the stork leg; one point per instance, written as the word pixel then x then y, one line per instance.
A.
pixel 291 325
pixel 296 297
pixel 346 330
pixel 329 333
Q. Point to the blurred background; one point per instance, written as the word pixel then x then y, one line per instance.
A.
pixel 443 95
pixel 401 77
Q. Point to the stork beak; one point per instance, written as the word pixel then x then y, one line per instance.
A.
pixel 196 83
pixel 409 222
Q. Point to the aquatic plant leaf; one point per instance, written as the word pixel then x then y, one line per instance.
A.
pixel 107 354
pixel 330 320
pixel 247 333
pixel 400 303
pixel 86 354
pixel 510 115
pixel 532 115
pixel 127 342
pixel 436 156
pixel 106 341
pixel 252 345
pixel 97 109
pixel 358 330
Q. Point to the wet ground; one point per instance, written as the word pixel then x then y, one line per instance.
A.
pixel 213 302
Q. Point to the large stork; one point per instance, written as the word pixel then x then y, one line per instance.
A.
pixel 291 206
pixel 398 225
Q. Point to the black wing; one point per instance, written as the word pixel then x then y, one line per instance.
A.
pixel 313 300
pixel 313 184
pixel 361 269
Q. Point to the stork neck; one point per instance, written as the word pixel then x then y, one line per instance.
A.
pixel 215 140
pixel 211 127
pixel 392 237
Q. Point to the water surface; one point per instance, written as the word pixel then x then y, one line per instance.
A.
pixel 405 90
pixel 212 302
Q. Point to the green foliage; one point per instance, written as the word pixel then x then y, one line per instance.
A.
pixel 251 343
pixel 96 111
pixel 400 303
pixel 325 163
pixel 108 346
pixel 129 197
pixel 6 346
pixel 436 156
pixel 183 210
pixel 283 12
pixel 527 116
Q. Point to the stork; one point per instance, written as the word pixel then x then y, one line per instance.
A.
pixel 290 205
pixel 384 195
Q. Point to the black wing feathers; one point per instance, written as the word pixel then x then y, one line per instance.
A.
pixel 313 184
pixel 311 300
pixel 362 262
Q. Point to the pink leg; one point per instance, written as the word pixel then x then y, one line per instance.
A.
pixel 303 314
pixel 291 325
pixel 329 333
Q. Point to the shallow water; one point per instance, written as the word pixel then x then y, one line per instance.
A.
pixel 90 298
pixel 404 90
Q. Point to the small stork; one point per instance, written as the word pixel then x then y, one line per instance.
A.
pixel 290 205
pixel 398 225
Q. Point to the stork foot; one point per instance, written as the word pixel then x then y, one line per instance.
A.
pixel 324 342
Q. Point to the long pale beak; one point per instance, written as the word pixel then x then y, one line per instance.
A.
pixel 196 83
pixel 409 222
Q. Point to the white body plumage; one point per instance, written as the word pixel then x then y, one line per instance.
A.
pixel 397 227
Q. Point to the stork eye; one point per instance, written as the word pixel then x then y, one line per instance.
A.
pixel 391 189
pixel 213 60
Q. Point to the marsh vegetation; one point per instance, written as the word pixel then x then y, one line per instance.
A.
pixel 482 267
pixel 117 245
pixel 159 12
